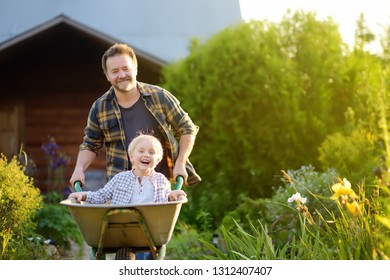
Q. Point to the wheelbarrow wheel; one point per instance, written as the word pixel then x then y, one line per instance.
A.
pixel 125 254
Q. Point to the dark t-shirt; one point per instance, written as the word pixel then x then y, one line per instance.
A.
pixel 137 119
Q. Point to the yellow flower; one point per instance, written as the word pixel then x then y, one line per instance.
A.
pixel 354 208
pixel 344 190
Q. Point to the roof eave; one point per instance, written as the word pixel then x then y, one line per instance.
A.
pixel 64 19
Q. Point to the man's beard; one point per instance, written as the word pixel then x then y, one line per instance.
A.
pixel 119 86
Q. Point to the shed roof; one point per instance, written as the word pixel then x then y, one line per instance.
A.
pixel 56 25
pixel 158 28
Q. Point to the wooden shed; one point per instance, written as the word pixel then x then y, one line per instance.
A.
pixel 51 75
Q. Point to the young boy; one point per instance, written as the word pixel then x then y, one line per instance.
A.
pixel 140 185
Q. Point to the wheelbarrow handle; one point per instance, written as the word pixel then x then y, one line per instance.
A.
pixel 179 182
pixel 77 186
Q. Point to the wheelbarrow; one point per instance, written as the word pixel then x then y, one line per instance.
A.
pixel 125 229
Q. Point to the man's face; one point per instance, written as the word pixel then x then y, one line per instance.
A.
pixel 121 72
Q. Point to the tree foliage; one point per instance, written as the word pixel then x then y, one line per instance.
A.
pixel 266 96
pixel 361 151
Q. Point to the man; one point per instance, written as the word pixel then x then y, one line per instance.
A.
pixel 130 107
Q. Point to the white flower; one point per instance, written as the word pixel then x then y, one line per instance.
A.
pixel 297 197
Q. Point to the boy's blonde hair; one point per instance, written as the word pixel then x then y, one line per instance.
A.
pixel 151 138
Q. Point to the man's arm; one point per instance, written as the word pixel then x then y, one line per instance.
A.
pixel 185 148
pixel 84 160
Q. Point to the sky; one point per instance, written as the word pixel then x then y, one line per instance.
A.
pixel 344 13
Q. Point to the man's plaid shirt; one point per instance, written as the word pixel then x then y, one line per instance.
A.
pixel 105 126
pixel 120 189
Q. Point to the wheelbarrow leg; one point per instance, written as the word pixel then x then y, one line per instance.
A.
pixel 162 252
pixel 94 256
pixel 99 253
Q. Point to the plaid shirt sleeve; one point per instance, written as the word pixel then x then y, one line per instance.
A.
pixel 93 136
pixel 102 195
pixel 119 189
pixel 162 187
pixel 166 108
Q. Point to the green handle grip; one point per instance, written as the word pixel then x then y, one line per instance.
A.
pixel 179 182
pixel 77 186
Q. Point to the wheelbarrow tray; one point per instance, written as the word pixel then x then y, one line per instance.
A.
pixel 132 228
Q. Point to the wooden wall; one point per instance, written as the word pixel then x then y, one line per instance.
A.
pixel 62 118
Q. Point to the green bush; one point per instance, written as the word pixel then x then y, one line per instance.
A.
pixel 186 245
pixel 356 155
pixel 384 218
pixel 19 202
pixel 56 223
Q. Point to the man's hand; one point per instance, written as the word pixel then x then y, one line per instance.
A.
pixel 180 170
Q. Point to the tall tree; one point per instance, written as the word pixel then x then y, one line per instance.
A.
pixel 265 96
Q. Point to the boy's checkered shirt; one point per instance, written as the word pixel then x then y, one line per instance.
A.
pixel 120 189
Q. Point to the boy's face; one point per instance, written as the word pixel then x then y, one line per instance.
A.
pixel 145 157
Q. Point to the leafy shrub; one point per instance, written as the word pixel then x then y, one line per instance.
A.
pixel 281 219
pixel 356 155
pixel 19 201
pixel 210 207
pixel 186 244
pixel 56 223
pixel 384 219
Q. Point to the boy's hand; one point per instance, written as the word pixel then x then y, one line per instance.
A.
pixel 79 196
pixel 176 195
